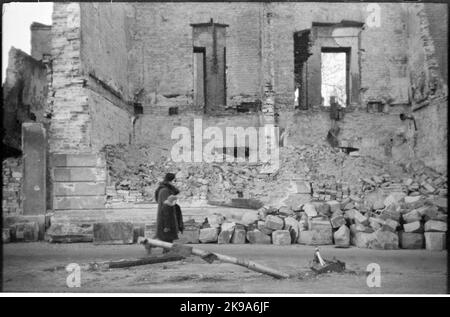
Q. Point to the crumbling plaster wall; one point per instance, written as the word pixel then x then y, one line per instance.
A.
pixel 24 95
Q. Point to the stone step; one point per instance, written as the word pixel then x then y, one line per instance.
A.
pixel 79 202
pixel 78 160
pixel 140 215
pixel 79 174
pixel 79 188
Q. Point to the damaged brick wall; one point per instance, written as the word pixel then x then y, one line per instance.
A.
pixel 70 123
pixel 24 95
pixel 12 172
pixel 161 61
pixel 429 90
pixel 91 103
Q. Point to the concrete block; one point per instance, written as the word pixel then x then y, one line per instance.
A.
pixel 342 236
pixel 435 241
pixel 435 226
pixel 79 189
pixel 79 202
pixel 238 236
pixel 79 174
pixel 274 222
pixel 257 237
pixel 413 227
pixel 410 240
pixel 113 233
pixel 78 160
pixel 208 235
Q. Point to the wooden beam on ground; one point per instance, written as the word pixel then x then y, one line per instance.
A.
pixel 224 258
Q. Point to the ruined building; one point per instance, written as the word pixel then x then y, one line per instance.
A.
pixel 128 73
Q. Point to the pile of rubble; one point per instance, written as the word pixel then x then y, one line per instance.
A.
pixel 389 213
pixel 134 175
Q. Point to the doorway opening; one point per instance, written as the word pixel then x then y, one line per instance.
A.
pixel 302 45
pixel 335 75
pixel 200 77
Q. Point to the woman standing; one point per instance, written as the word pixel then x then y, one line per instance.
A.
pixel 167 222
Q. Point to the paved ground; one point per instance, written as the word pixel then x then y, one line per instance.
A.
pixel 31 267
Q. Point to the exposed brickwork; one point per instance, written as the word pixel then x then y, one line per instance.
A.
pixel 70 124
pixel 12 189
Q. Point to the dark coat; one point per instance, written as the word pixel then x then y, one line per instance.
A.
pixel 167 222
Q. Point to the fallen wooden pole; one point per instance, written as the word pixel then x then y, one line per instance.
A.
pixel 123 263
pixel 224 258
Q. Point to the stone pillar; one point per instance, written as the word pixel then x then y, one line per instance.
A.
pixel 34 145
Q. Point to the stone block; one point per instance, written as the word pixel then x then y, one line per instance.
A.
pixel 435 226
pixel 375 223
pixel 303 187
pixel 225 237
pixel 294 228
pixel 391 223
pixel 384 240
pixel 69 233
pixel 360 218
pixel 337 221
pixel 413 227
pixel 410 240
pixel 440 203
pixel 274 223
pixel 281 237
pixel 6 235
pixel 412 216
pixel 310 210
pixel 238 236
pixel 362 239
pixel 79 202
pixel 257 237
pixel 394 198
pixel 342 236
pixel 78 160
pixel 24 232
pixel 208 235
pixel 216 220
pixel 250 217
pixel 435 241
pixel 334 205
pixel 79 174
pixel 189 236
pixel 320 208
pixel 79 188
pixel 261 226
pixel 113 233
